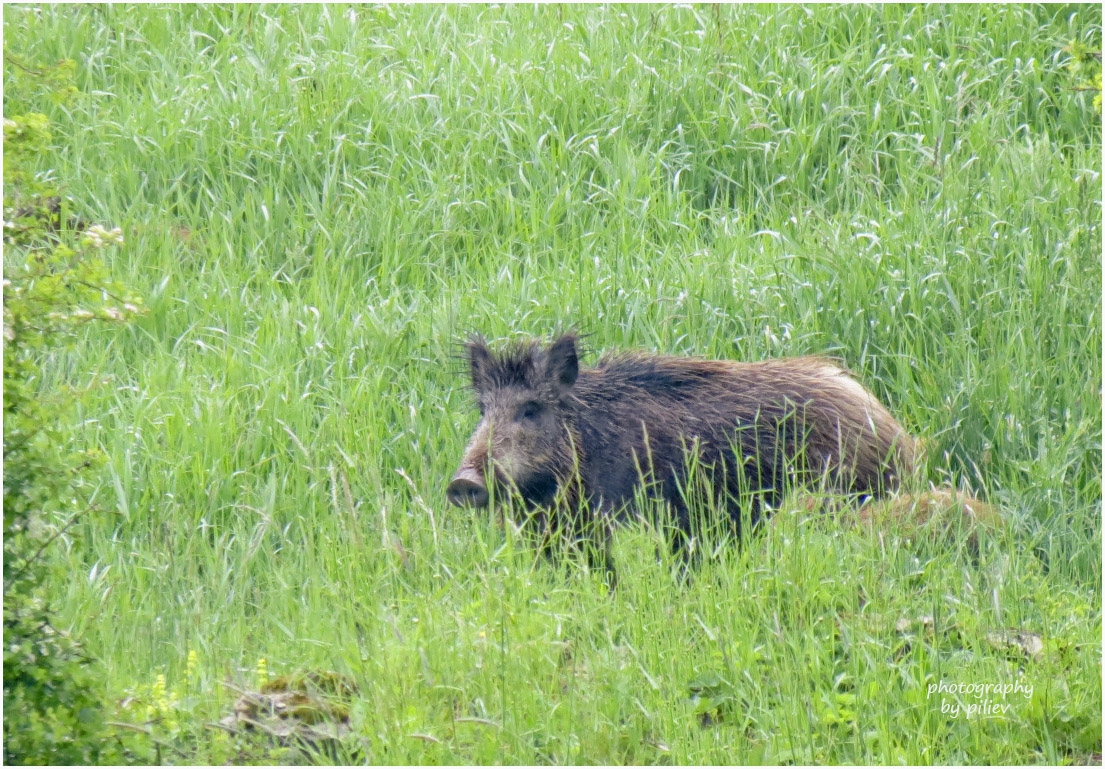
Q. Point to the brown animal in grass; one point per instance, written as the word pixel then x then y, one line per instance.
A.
pixel 576 446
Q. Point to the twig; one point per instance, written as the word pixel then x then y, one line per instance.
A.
pixel 13 62
pixel 244 692
pixel 258 725
pixel 148 732
pixel 218 725
pixel 27 564
pixel 101 289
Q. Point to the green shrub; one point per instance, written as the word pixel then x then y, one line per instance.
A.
pixel 53 285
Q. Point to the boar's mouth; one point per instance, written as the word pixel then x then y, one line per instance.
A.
pixel 538 489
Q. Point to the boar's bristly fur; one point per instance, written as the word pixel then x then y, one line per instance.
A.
pixel 576 444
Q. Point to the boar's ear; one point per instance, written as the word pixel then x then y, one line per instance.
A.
pixel 562 366
pixel 479 361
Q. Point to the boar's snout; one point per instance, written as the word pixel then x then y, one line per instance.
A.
pixel 467 489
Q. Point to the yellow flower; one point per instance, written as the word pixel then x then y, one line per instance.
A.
pixel 160 698
pixel 191 666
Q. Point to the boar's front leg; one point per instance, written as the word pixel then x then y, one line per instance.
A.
pixel 586 531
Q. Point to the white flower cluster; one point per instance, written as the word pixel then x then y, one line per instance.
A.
pixel 100 237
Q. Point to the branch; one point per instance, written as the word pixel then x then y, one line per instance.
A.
pixel 100 289
pixel 13 62
pixel 27 564
pixel 146 731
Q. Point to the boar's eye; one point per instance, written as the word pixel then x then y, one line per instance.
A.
pixel 528 410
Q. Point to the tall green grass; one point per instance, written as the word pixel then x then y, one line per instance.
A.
pixel 319 201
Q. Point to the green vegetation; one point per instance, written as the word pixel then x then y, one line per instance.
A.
pixel 53 712
pixel 318 202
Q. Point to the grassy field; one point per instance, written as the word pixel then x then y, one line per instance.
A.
pixel 319 202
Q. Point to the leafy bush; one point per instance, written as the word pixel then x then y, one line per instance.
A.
pixel 52 711
pixel 1085 65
